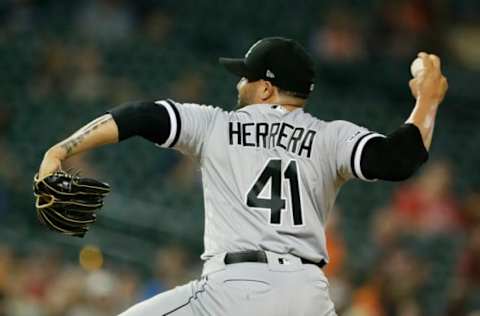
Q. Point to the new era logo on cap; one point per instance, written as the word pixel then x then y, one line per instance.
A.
pixel 270 74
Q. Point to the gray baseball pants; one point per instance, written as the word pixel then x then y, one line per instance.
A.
pixel 282 287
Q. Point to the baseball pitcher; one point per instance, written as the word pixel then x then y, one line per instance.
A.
pixel 271 173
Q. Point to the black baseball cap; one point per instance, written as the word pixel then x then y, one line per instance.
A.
pixel 282 61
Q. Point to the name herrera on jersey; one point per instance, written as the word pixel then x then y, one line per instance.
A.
pixel 294 139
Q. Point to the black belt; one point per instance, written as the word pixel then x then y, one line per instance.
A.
pixel 260 256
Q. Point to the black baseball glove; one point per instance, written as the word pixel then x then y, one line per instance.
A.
pixel 68 203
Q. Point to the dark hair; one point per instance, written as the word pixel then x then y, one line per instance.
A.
pixel 293 94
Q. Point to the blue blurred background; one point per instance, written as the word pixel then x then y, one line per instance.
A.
pixel 403 249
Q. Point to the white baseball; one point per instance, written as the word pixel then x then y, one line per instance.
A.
pixel 416 67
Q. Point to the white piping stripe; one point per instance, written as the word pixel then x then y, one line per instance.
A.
pixel 173 124
pixel 358 155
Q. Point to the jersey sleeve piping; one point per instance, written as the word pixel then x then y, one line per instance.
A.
pixel 357 155
pixel 175 123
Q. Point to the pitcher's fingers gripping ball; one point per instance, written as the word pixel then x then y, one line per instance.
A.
pixel 67 203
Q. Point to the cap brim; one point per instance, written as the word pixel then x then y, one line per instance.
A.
pixel 236 66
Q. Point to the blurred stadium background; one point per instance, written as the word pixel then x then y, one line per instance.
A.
pixel 403 249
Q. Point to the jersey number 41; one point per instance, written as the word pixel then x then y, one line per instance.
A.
pixel 275 203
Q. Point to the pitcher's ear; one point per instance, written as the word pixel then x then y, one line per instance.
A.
pixel 268 89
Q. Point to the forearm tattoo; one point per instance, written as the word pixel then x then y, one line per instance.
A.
pixel 73 141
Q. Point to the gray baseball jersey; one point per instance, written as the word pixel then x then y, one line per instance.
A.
pixel 270 176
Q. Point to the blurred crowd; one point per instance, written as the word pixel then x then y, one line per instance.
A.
pixel 41 283
pixel 418 250
pixel 422 256
pixel 73 43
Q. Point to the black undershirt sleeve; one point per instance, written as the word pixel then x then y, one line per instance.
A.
pixel 395 157
pixel 146 119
